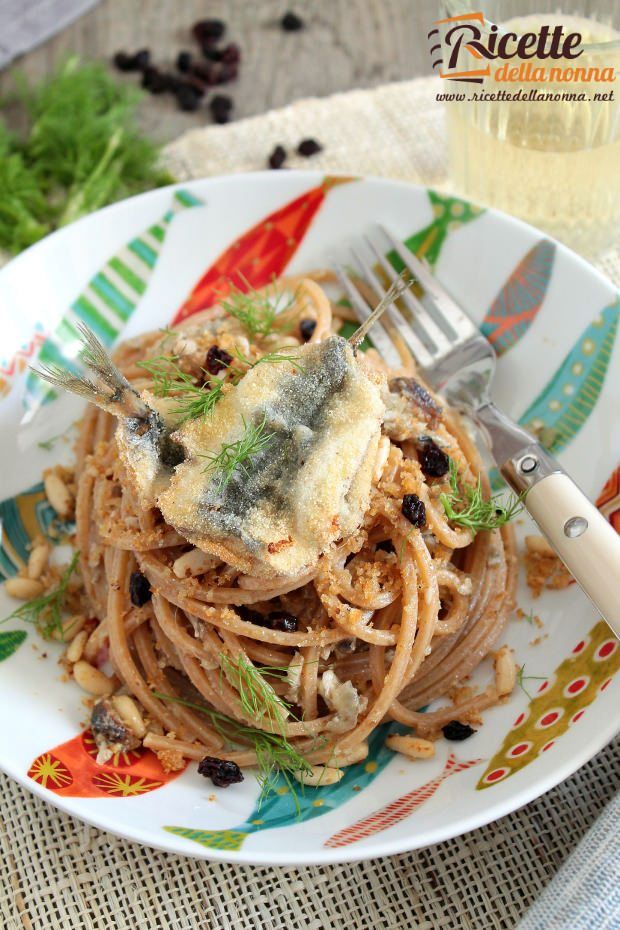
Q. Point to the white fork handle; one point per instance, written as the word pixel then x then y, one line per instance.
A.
pixel 587 544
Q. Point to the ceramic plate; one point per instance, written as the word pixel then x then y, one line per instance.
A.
pixel 153 259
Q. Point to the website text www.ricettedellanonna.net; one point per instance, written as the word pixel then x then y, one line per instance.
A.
pixel 533 94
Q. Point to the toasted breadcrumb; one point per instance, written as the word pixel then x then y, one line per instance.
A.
pixel 171 760
pixel 543 569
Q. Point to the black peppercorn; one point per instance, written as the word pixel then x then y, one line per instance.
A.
pixel 277 157
pixel 222 772
pixel 433 462
pixel 309 147
pixel 139 589
pixel 291 22
pixel 217 360
pixel 457 731
pixel 306 328
pixel 414 510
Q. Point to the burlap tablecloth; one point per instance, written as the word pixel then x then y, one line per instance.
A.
pixel 58 873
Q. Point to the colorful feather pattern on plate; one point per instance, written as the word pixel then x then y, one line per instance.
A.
pixel 566 402
pixel 449 214
pixel 560 702
pixel 608 501
pixel 10 641
pixel 397 810
pixel 71 770
pixel 22 518
pixel 108 300
pixel 278 810
pixel 261 253
pixel 518 301
pixel 10 369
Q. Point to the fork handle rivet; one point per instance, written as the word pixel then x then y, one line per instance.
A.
pixel 528 464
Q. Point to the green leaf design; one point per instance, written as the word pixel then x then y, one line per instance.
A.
pixel 566 402
pixel 10 641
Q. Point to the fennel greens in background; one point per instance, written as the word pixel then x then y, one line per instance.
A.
pixel 80 151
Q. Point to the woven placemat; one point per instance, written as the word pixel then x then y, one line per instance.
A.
pixel 58 873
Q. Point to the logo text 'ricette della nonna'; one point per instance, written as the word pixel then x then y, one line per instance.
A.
pixel 464 41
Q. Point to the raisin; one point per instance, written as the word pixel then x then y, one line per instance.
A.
pixel 188 98
pixel 221 107
pixel 433 462
pixel 457 731
pixel 217 360
pixel 208 30
pixel 231 54
pixel 309 147
pixel 227 73
pixel 139 589
pixel 222 772
pixel 184 61
pixel 154 81
pixel 306 328
pixel 281 621
pixel 124 62
pixel 414 510
pixel 277 157
pixel 211 53
pixel 142 59
pixel 291 22
pixel 386 545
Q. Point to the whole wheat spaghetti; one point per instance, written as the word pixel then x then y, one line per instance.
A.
pixel 279 620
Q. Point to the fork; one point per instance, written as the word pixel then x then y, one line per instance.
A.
pixel 456 360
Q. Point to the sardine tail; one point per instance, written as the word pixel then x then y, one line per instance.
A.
pixel 230 840
pixel 399 286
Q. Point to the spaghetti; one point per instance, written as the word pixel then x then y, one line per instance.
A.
pixel 228 655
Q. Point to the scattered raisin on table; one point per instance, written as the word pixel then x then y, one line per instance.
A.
pixel 221 108
pixel 433 462
pixel 139 589
pixel 291 22
pixel 188 98
pixel 277 157
pixel 414 510
pixel 457 731
pixel 184 61
pixel 208 29
pixel 222 772
pixel 231 54
pixel 308 147
pixel 306 328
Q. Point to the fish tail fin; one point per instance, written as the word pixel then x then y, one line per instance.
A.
pixel 113 393
pixel 230 840
pixel 454 765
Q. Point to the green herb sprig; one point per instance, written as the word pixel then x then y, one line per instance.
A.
pixel 46 611
pixel 191 400
pixel 257 697
pixel 258 312
pixel 238 454
pixel 81 150
pixel 521 677
pixel 274 753
pixel 469 508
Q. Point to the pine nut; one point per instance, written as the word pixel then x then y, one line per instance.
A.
pixel 538 545
pixel 37 560
pixel 128 711
pixel 505 671
pixel 24 589
pixel 351 756
pixel 95 642
pixel 93 681
pixel 411 746
pixel 58 494
pixel 192 563
pixel 76 647
pixel 319 775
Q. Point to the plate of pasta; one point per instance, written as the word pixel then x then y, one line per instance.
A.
pixel 265 599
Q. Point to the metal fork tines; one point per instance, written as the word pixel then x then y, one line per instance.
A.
pixel 439 335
